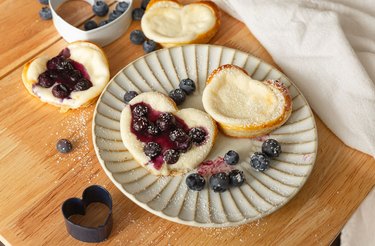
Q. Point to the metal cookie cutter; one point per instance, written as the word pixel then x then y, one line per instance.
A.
pixel 101 35
pixel 94 193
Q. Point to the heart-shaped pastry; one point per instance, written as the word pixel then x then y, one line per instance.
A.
pixel 245 107
pixel 72 79
pixel 163 139
pixel 170 23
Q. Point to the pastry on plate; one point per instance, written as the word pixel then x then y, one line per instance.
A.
pixel 170 23
pixel 70 80
pixel 164 139
pixel 244 107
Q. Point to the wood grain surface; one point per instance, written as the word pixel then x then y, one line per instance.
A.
pixel 35 179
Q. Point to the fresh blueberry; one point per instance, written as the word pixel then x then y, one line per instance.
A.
pixel 187 85
pixel 165 121
pixel 90 24
pixel 236 177
pixel 64 146
pixel 231 157
pixel 129 96
pixel 271 148
pixel 45 13
pixel 44 80
pixel 144 4
pixel 122 6
pixel 100 8
pixel 152 149
pixel 171 156
pixel 198 135
pixel 103 23
pixel 195 182
pixel 178 135
pixel 114 15
pixel 137 37
pixel 219 182
pixel 178 96
pixel 149 46
pixel 45 2
pixel 184 146
pixel 60 91
pixel 140 110
pixel 137 14
pixel 82 85
pixel 140 124
pixel 153 130
pixel 259 161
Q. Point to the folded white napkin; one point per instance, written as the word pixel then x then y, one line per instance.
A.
pixel 328 49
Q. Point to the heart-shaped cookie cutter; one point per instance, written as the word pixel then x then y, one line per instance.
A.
pixel 71 206
pixel 101 35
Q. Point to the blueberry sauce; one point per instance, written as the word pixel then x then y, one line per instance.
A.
pixel 163 137
pixel 63 72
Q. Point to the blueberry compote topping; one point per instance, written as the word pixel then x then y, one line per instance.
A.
pixel 165 135
pixel 65 75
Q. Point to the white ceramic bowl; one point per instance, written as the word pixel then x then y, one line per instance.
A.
pixel 102 35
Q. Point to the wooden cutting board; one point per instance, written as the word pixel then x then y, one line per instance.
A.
pixel 35 179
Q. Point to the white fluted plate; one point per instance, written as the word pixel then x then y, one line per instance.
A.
pixel 169 197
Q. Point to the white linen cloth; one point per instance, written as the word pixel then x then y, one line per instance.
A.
pixel 328 49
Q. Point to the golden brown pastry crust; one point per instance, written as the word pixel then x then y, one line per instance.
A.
pixel 249 131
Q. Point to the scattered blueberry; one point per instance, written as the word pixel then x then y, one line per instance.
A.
pixel 140 124
pixel 231 157
pixel 187 85
pixel 236 177
pixel 271 148
pixel 114 15
pixel 45 81
pixel 45 13
pixel 89 25
pixel 153 130
pixel 259 161
pixel 100 8
pixel 129 96
pixel 149 46
pixel 60 91
pixel 198 135
pixel 171 156
pixel 178 135
pixel 219 182
pixel 144 4
pixel 103 23
pixel 137 37
pixel 64 146
pixel 82 85
pixel 122 6
pixel 195 182
pixel 178 96
pixel 140 110
pixel 137 14
pixel 45 2
pixel 165 121
pixel 152 149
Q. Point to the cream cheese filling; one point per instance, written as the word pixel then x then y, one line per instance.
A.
pixel 177 24
pixel 232 97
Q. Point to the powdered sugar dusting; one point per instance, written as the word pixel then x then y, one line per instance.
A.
pixel 76 129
